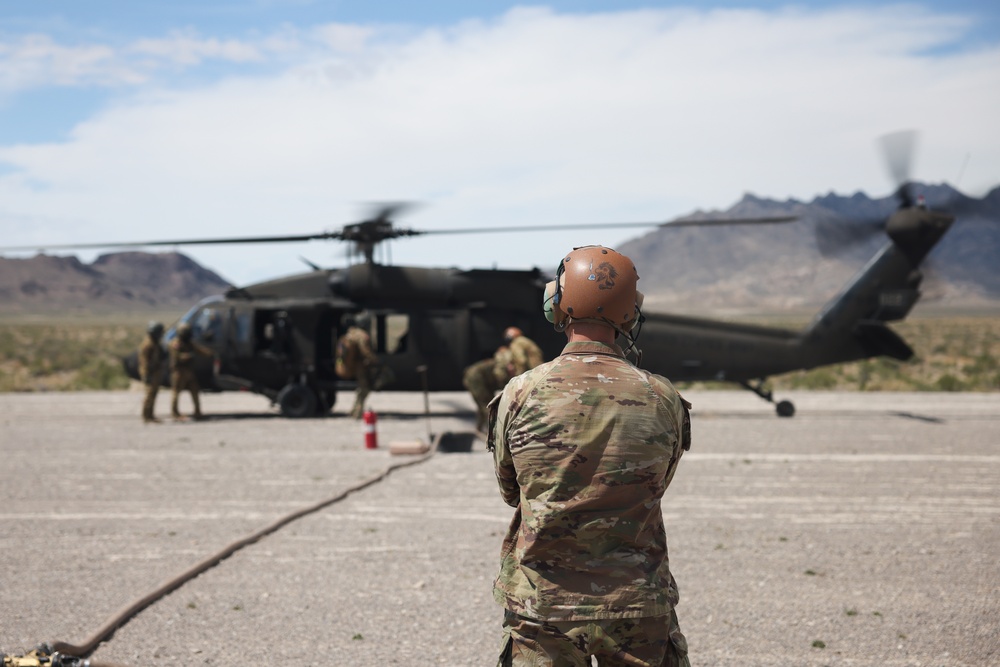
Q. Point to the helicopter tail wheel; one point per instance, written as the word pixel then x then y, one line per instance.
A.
pixel 297 401
pixel 785 408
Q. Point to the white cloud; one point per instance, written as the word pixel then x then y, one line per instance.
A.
pixel 533 117
pixel 35 60
pixel 187 48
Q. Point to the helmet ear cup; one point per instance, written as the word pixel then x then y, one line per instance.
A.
pixel 550 303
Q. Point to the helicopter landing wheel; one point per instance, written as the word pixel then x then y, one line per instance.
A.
pixel 297 401
pixel 785 409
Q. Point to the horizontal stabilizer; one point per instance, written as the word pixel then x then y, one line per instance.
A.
pixel 879 340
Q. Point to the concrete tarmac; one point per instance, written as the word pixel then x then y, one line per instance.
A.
pixel 863 531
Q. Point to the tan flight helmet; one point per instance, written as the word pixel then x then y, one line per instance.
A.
pixel 510 333
pixel 597 284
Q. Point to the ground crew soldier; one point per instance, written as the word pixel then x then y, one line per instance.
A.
pixel 584 448
pixel 152 360
pixel 526 352
pixel 356 360
pixel 485 378
pixel 183 351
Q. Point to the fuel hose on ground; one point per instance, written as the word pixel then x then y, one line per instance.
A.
pixel 64 654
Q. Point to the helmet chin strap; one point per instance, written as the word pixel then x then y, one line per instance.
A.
pixel 631 347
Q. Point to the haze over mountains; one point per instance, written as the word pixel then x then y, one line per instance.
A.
pixel 769 268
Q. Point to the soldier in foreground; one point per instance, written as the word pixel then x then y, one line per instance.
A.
pixel 151 364
pixel 485 378
pixel 183 350
pixel 356 360
pixel 525 351
pixel 584 448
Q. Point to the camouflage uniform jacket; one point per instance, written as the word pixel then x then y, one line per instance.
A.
pixel 151 361
pixel 354 352
pixel 183 352
pixel 503 366
pixel 584 447
pixel 490 374
pixel 526 354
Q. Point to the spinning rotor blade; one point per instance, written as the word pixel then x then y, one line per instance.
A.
pixel 839 237
pixel 835 237
pixel 368 233
pixel 898 149
pixel 140 244
pixel 680 222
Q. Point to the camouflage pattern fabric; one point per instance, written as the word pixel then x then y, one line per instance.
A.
pixel 354 352
pixel 152 360
pixel 357 361
pixel 485 378
pixel 584 448
pixel 649 641
pixel 364 381
pixel 182 375
pixel 526 354
pixel 479 380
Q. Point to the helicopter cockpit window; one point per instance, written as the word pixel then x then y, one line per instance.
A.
pixel 208 325
pixel 194 316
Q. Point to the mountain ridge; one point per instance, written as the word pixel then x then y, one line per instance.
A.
pixel 781 266
pixel 124 281
pixel 762 268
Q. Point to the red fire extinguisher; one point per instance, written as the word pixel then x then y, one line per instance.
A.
pixel 371 437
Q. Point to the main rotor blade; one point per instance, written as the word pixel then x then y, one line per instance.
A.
pixel 372 232
pixel 614 225
pixel 139 244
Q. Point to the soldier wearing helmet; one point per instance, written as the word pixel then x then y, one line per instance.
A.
pixel 183 351
pixel 355 359
pixel 525 351
pixel 152 362
pixel 584 448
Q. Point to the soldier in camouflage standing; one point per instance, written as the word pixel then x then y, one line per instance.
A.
pixel 183 350
pixel 485 378
pixel 525 351
pixel 151 364
pixel 356 360
pixel 584 449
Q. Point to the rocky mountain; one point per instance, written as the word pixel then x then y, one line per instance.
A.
pixel 697 270
pixel 123 281
pixel 790 266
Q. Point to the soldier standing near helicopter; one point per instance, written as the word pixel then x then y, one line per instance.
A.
pixel 183 350
pixel 525 351
pixel 584 449
pixel 151 364
pixel 485 378
pixel 356 360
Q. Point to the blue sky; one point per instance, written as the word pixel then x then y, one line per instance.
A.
pixel 126 121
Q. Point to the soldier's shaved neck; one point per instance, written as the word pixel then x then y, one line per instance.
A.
pixel 577 332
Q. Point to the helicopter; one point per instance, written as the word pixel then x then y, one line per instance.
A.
pixel 277 338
